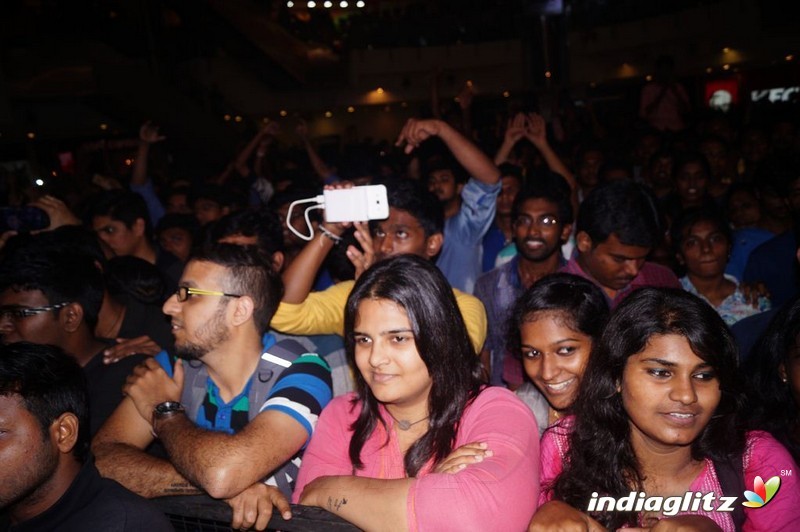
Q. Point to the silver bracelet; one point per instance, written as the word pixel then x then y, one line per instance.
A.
pixel 335 238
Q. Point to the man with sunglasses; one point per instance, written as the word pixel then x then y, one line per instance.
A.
pixel 220 312
pixel 54 297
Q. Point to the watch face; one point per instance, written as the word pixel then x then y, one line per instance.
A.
pixel 168 406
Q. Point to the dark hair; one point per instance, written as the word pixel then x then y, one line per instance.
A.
pixel 249 274
pixel 411 197
pixel 625 209
pixel 511 170
pixel 691 217
pixel 220 195
pixel 178 190
pixel 771 406
pixel 600 456
pixel 124 206
pixel 130 276
pixel 187 222
pixel 62 276
pixel 50 383
pixel 443 344
pixel 440 162
pixel 614 164
pixel 261 223
pixel 548 186
pixel 690 158
pixel 580 303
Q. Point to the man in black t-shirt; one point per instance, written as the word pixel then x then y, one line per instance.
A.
pixel 48 481
pixel 53 296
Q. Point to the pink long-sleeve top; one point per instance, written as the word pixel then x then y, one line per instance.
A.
pixel 764 456
pixel 499 493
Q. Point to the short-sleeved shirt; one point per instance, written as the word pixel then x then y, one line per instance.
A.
pixel 301 391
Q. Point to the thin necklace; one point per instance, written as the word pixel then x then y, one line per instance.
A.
pixel 404 424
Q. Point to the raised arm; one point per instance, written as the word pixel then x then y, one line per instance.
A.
pixel 148 134
pixel 476 163
pixel 317 163
pixel 515 130
pixel 260 141
pixel 536 132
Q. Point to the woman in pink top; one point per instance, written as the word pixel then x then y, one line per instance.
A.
pixel 421 445
pixel 657 421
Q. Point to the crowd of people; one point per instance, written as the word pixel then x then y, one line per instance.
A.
pixel 544 323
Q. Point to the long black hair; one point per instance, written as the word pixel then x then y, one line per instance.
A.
pixel 771 406
pixel 442 342
pixel 600 456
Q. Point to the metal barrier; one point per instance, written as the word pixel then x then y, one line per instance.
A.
pixel 201 513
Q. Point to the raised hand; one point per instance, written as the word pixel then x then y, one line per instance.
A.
pixel 362 260
pixel 415 132
pixel 58 212
pixel 149 133
pixel 536 130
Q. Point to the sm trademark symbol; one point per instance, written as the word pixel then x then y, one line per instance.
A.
pixel 786 472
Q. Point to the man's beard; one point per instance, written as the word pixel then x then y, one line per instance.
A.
pixel 209 336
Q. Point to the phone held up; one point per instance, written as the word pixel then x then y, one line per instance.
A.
pixel 23 219
pixel 357 204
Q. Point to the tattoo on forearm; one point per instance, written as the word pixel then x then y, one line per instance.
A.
pixel 335 504
pixel 181 488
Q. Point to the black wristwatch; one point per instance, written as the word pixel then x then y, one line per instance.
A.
pixel 166 410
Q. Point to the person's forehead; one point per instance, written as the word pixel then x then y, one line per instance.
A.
pixel 171 231
pixel 206 202
pixel 400 217
pixel 613 246
pixel 538 206
pixel 12 408
pixel 28 298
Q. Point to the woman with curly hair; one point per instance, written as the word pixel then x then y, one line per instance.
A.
pixel 421 444
pixel 658 414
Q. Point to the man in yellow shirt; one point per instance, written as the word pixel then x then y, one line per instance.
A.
pixel 415 226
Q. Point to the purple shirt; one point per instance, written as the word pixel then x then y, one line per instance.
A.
pixel 653 275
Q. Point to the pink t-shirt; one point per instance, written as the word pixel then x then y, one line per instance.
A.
pixel 764 456
pixel 499 493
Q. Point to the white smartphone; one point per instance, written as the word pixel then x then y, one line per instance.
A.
pixel 357 204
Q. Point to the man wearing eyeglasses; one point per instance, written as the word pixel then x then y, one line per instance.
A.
pixel 225 300
pixel 541 219
pixel 54 297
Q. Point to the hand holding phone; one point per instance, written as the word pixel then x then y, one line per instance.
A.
pixel 27 218
pixel 356 204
